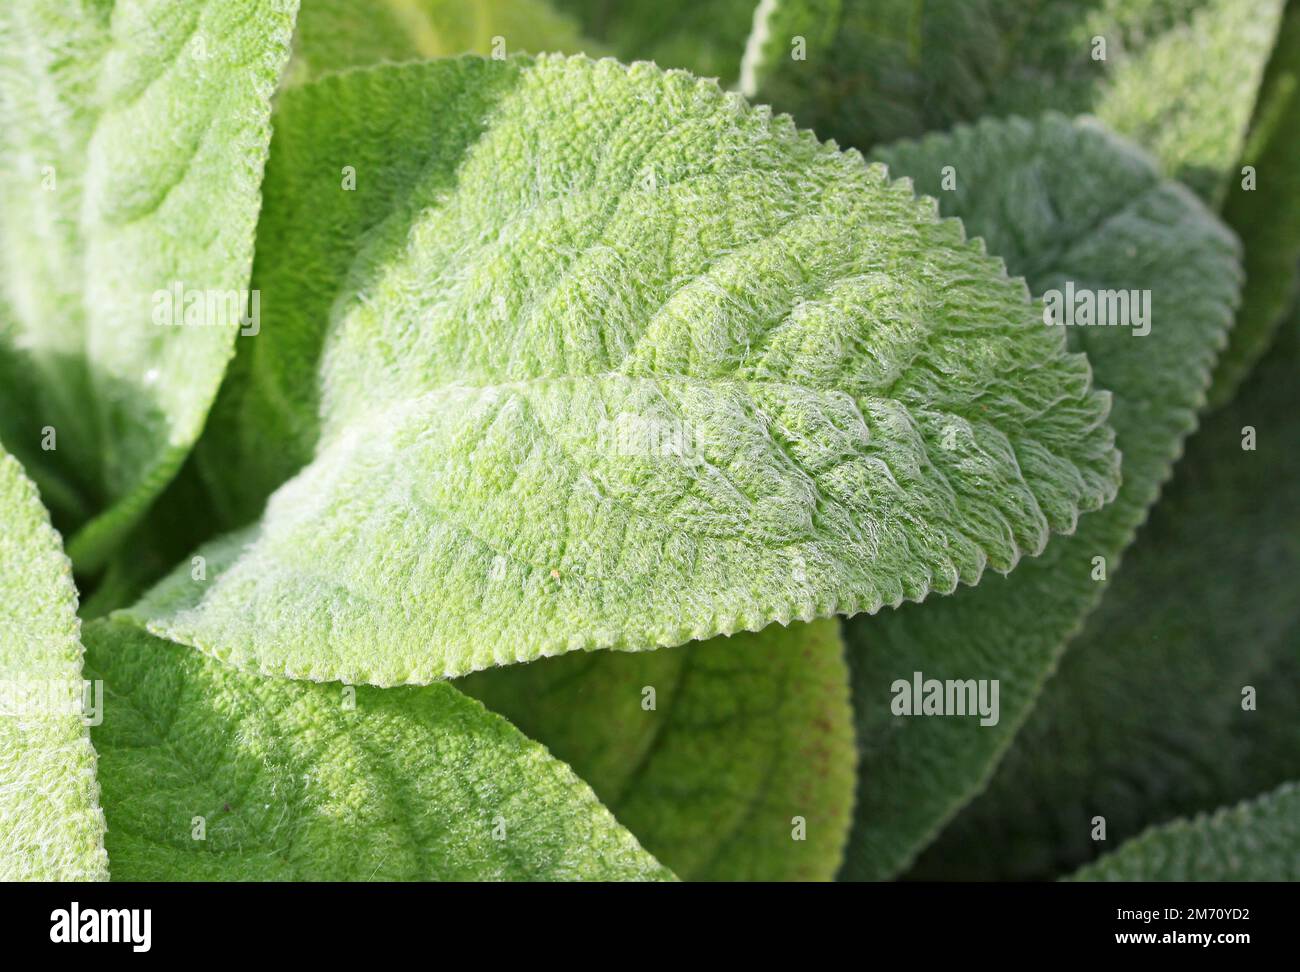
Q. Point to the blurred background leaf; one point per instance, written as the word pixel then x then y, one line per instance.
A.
pixel 1144 721
pixel 1258 840
pixel 1062 202
pixel 747 734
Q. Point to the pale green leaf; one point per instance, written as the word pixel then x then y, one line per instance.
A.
pixel 1267 216
pixel 133 135
pixel 1179 76
pixel 209 774
pixel 51 827
pixel 711 753
pixel 1147 718
pixel 1254 841
pixel 613 361
pixel 336 34
pixel 706 39
pixel 1064 203
pixel 330 35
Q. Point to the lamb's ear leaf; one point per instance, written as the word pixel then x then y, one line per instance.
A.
pixel 1257 840
pixel 730 759
pixel 136 133
pixel 1177 77
pixel 51 827
pixel 182 519
pixel 330 35
pixel 334 35
pixel 613 361
pixel 706 39
pixel 1068 205
pixel 1183 692
pixel 212 774
pixel 1263 206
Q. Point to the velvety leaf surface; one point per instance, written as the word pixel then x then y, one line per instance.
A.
pixel 1064 203
pixel 51 827
pixel 708 355
pixel 136 134
pixel 1144 721
pixel 746 734
pixel 1179 76
pixel 1267 217
pixel 706 39
pixel 333 35
pixel 1254 841
pixel 291 781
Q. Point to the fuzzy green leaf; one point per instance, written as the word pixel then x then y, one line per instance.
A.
pixel 612 361
pixel 745 737
pixel 209 774
pixel 1064 203
pixel 1146 719
pixel 1267 215
pixel 136 134
pixel 706 39
pixel 336 34
pixel 1179 77
pixel 51 827
pixel 331 35
pixel 1254 841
